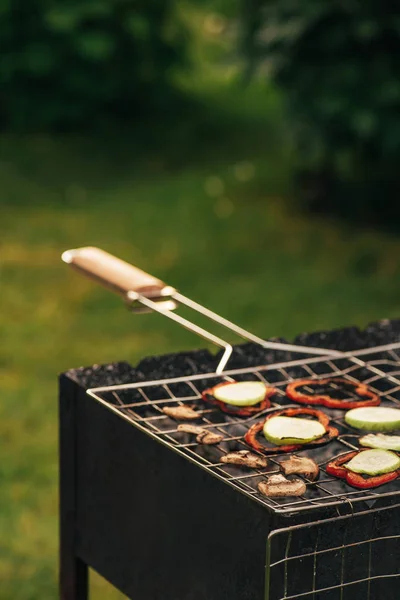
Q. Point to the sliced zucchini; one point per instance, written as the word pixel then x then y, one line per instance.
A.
pixel 241 393
pixel 374 418
pixel 374 462
pixel 291 430
pixel 380 440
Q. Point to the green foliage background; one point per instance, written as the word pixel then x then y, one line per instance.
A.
pixel 338 64
pixel 73 64
pixel 202 200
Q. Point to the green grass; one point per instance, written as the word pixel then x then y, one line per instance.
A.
pixel 178 207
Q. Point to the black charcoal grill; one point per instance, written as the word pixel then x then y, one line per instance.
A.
pixel 161 517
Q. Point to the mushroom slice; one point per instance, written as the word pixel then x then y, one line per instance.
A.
pixel 183 413
pixel 278 486
pixel 203 436
pixel 209 438
pixel 245 458
pixel 301 466
pixel 187 428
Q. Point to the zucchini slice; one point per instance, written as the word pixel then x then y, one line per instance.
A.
pixel 374 462
pixel 291 430
pixel 241 393
pixel 380 440
pixel 374 418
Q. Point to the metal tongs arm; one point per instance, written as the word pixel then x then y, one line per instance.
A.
pixel 138 287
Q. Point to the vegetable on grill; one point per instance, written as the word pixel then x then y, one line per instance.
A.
pixel 292 430
pixel 241 398
pixel 181 413
pixel 290 443
pixel 245 458
pixel 374 462
pixel 366 396
pixel 203 436
pixel 380 440
pixel 378 418
pixel 366 469
pixel 279 486
pixel 300 465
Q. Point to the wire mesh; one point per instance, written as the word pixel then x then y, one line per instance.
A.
pixel 348 558
pixel 142 404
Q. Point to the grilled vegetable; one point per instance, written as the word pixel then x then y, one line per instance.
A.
pixel 378 418
pixel 374 462
pixel 242 393
pixel 328 434
pixel 245 458
pixel 291 430
pixel 380 440
pixel 279 486
pixel 181 413
pixel 203 436
pixel 338 468
pixel 242 398
pixel 300 466
pixel 366 396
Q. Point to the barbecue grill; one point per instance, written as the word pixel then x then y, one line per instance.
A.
pixel 161 516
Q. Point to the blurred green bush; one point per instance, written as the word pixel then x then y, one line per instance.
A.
pixel 339 66
pixel 69 63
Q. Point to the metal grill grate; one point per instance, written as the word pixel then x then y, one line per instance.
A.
pixel 142 404
pixel 356 558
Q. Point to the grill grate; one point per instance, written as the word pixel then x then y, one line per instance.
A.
pixel 356 558
pixel 142 404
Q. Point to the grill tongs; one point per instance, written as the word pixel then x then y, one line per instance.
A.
pixel 143 292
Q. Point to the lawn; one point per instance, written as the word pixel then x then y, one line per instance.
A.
pixel 206 207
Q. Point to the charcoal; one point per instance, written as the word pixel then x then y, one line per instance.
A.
pixel 347 338
pixel 244 355
pixel 176 365
pixel 238 359
pixel 253 355
pixel 351 338
pixel 103 375
pixel 383 332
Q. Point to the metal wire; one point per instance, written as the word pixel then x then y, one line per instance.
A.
pixel 205 334
pixel 332 563
pixel 194 328
pixel 181 299
pixel 142 404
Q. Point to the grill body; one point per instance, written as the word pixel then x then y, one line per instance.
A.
pixel 149 521
pixel 157 526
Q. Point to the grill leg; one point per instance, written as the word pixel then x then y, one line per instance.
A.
pixel 73 572
pixel 73 577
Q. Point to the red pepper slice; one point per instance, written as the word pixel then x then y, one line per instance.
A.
pixel 245 411
pixel 367 397
pixel 331 432
pixel 356 479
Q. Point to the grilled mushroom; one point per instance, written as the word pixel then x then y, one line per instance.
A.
pixel 209 438
pixel 245 458
pixel 278 486
pixel 187 428
pixel 301 466
pixel 182 413
pixel 203 436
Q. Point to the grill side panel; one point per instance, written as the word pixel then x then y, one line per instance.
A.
pixel 156 525
pixel 348 558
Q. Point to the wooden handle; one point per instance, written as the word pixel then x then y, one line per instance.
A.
pixel 113 272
